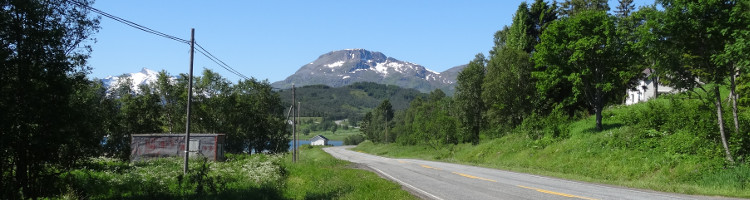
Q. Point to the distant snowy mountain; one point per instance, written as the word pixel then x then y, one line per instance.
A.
pixel 144 77
pixel 344 67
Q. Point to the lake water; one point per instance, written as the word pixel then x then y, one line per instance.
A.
pixel 306 142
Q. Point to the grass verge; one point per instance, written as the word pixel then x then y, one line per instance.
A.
pixel 240 177
pixel 623 168
pixel 317 176
pixel 662 145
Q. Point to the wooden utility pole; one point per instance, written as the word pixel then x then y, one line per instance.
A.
pixel 294 126
pixel 299 105
pixel 190 99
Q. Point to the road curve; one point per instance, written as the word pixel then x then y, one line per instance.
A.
pixel 438 180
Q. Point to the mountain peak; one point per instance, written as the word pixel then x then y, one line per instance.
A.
pixel 143 77
pixel 351 55
pixel 344 67
pixel 147 71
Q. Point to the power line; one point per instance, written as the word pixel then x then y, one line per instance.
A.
pixel 200 48
pixel 131 24
pixel 219 62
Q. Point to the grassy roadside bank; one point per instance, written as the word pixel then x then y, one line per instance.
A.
pixel 317 176
pixel 682 161
pixel 620 168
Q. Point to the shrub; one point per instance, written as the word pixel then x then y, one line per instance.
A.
pixel 242 175
pixel 554 125
pixel 354 139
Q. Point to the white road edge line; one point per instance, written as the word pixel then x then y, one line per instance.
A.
pixel 406 184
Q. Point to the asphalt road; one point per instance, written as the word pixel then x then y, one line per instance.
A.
pixel 438 180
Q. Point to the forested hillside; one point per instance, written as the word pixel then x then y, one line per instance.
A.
pixel 568 61
pixel 547 97
pixel 348 102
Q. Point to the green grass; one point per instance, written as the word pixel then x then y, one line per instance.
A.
pixel 339 135
pixel 320 176
pixel 312 119
pixel 317 176
pixel 678 156
pixel 616 167
pixel 241 176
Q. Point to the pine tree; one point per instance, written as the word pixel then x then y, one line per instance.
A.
pixel 624 8
pixel 541 14
pixel 572 7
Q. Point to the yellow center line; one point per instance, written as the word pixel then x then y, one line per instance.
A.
pixel 429 167
pixel 555 193
pixel 474 177
pixel 401 161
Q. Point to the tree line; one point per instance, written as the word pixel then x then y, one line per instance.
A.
pixel 568 60
pixel 347 102
pixel 248 112
pixel 53 118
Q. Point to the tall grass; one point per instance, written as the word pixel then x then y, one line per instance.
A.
pixel 241 176
pixel 317 176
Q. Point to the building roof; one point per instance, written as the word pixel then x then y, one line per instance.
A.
pixel 318 137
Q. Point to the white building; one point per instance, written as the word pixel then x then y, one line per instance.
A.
pixel 645 90
pixel 318 140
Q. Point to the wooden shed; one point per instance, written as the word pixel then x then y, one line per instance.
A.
pixel 145 146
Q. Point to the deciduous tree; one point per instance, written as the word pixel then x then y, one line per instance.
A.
pixel 508 88
pixel 43 51
pixel 583 51
pixel 700 31
pixel 469 98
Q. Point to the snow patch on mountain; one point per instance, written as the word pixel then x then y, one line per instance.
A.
pixel 382 68
pixel 360 65
pixel 336 64
pixel 144 77
pixel 434 72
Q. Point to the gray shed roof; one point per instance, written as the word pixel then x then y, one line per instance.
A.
pixel 318 137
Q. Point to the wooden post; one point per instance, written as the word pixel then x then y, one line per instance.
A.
pixel 190 98
pixel 298 118
pixel 294 126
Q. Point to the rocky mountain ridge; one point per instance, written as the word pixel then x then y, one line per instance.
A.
pixel 345 67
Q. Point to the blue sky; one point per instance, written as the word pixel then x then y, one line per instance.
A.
pixel 272 39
